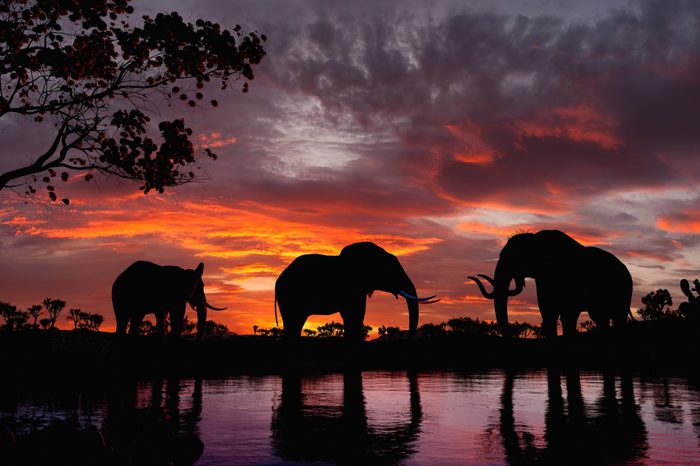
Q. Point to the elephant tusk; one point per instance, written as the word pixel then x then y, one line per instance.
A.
pixel 414 298
pixel 215 308
pixel 369 295
pixel 432 301
pixel 486 294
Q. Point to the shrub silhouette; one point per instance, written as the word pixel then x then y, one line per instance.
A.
pixel 54 308
pixel 657 305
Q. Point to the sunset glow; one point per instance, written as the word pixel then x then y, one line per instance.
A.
pixel 464 126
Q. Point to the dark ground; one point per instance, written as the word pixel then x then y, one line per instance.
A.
pixel 672 345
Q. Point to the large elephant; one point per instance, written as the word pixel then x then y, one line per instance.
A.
pixel 320 284
pixel 570 278
pixel 148 288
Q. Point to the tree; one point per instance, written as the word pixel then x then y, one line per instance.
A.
pixel 432 330
pixel 213 329
pixel 366 330
pixel 389 332
pixel 657 305
pixel 521 330
pixel 255 329
pixel 587 325
pixel 54 308
pixel 92 70
pixel 309 332
pixel 146 327
pixel 331 329
pixel 14 319
pixel 75 315
pixel 35 311
pixel 95 321
pixel 187 327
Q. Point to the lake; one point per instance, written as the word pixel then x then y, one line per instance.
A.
pixel 381 417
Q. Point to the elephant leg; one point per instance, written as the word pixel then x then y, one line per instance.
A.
pixel 121 325
pixel 549 324
pixel 160 323
pixel 353 317
pixel 548 304
pixel 568 322
pixel 176 319
pixel 135 325
pixel 292 325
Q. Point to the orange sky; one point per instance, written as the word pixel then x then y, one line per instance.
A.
pixel 415 127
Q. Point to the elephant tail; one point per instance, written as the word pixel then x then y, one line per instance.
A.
pixel 277 324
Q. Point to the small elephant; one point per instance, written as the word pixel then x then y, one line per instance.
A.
pixel 570 278
pixel 320 284
pixel 148 288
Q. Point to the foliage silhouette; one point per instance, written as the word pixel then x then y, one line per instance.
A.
pixel 74 315
pixel 14 319
pixel 92 71
pixel 53 308
pixel 657 305
pixel 35 311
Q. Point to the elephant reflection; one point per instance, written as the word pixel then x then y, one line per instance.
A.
pixel 341 434
pixel 150 428
pixel 610 431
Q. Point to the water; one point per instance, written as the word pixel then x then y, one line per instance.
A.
pixel 491 417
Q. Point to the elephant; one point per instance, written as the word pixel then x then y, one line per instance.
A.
pixel 322 284
pixel 145 287
pixel 570 278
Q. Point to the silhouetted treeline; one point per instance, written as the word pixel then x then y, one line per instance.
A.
pixel 17 319
pixel 329 329
pixel 211 329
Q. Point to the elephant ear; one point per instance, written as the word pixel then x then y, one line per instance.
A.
pixel 199 270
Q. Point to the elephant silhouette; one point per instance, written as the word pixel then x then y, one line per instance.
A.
pixel 610 432
pixel 570 278
pixel 321 284
pixel 145 287
pixel 310 433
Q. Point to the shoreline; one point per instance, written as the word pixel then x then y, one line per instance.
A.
pixel 665 346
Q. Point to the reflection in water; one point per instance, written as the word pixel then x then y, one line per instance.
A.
pixel 613 431
pixel 491 417
pixel 160 432
pixel 341 434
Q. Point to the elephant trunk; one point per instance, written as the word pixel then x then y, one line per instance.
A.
pixel 502 280
pixel 412 308
pixel 201 318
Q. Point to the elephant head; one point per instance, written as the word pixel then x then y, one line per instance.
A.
pixel 521 257
pixel 197 300
pixel 372 269
pixel 514 264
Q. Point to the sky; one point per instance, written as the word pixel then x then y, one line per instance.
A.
pixel 434 129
